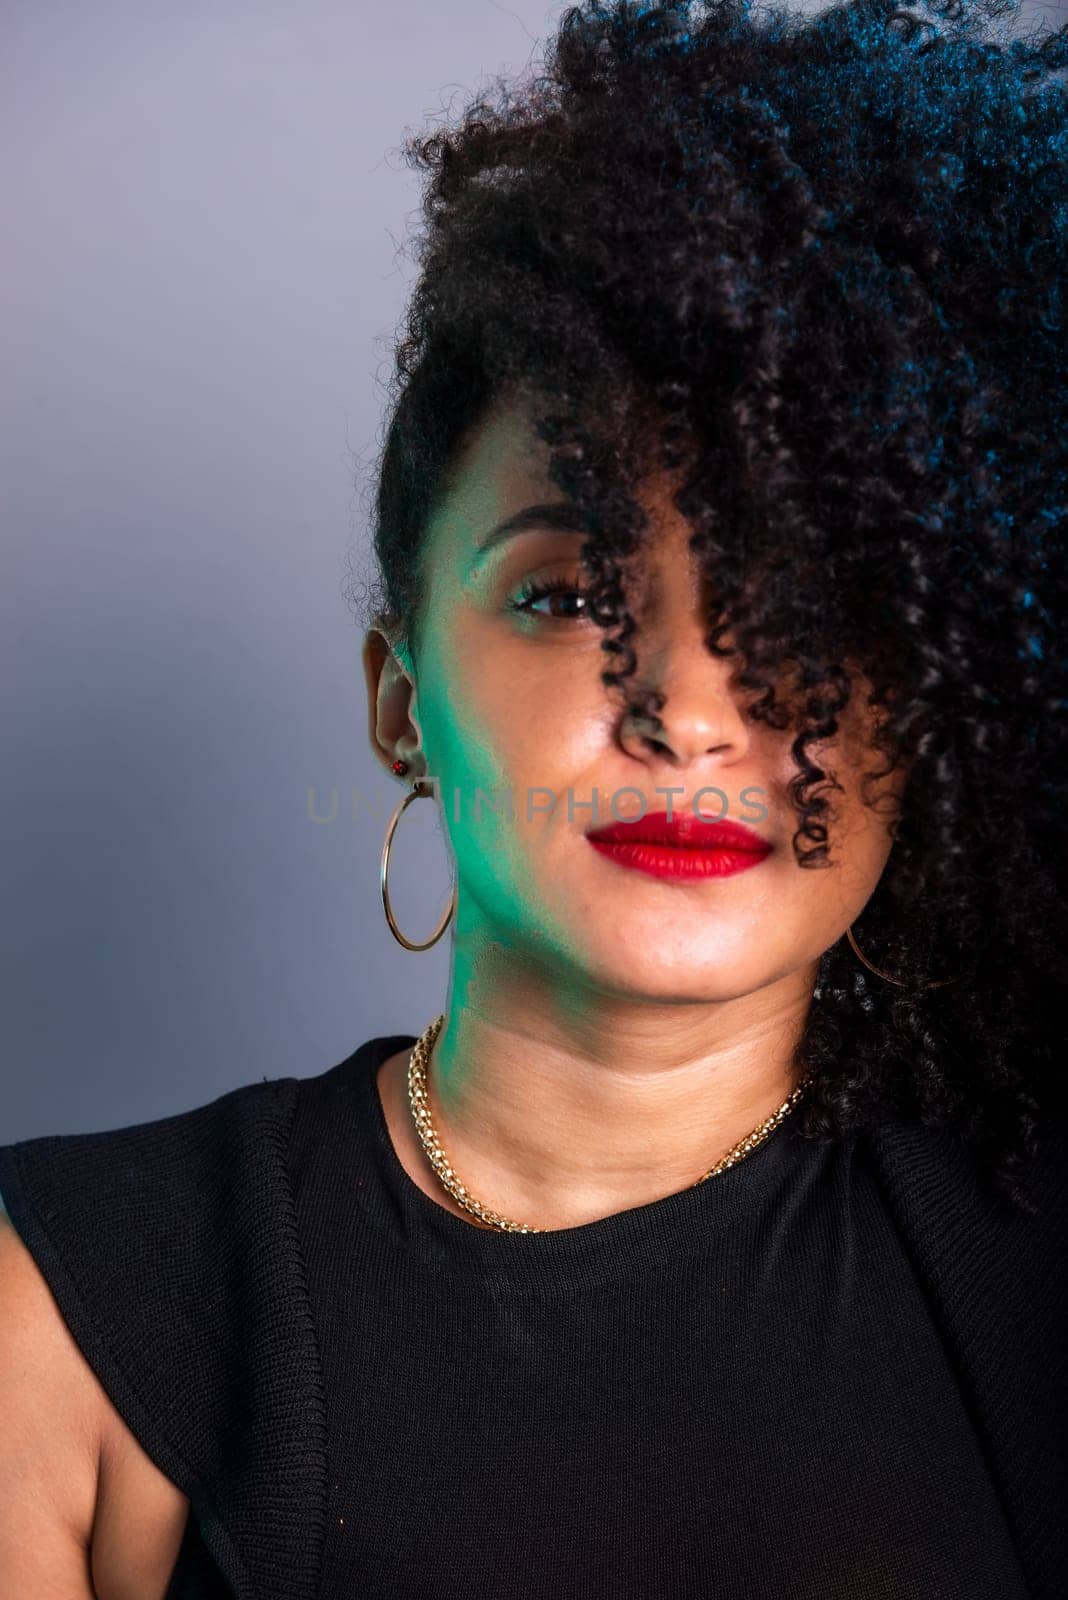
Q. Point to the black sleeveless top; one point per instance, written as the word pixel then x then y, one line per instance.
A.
pixel 803 1377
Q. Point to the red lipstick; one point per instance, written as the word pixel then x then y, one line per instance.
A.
pixel 684 847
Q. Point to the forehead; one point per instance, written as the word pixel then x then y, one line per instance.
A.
pixel 501 455
pixel 503 465
pixel 500 468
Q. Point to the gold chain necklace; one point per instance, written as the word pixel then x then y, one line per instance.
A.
pixel 417 1099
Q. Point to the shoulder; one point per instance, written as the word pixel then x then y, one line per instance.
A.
pixel 107 1202
pixel 197 1132
pixel 46 1384
pixel 977 1250
pixel 162 1259
pixel 53 1427
pixel 133 1208
pixel 172 1252
pixel 920 1149
pixel 72 1475
pixel 97 1210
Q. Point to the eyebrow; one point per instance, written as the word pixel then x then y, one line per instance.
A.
pixel 562 515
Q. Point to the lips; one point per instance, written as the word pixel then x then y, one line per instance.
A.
pixel 684 847
pixel 683 831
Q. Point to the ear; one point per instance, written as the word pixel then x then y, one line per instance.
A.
pixel 392 723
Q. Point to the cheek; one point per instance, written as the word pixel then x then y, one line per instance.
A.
pixel 859 812
pixel 861 847
pixel 462 745
pixel 483 735
pixel 538 717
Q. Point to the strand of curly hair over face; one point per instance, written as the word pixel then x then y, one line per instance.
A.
pixel 811 266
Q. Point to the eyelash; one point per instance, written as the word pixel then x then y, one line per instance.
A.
pixel 534 590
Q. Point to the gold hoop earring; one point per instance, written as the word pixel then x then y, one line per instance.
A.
pixel 937 983
pixel 417 790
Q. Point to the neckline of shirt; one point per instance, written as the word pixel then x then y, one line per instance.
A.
pixel 678 1226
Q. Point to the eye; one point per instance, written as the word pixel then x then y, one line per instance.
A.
pixel 535 590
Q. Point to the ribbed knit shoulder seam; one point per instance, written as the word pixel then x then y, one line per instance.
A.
pixel 172 1251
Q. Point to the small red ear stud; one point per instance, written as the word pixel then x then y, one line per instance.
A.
pixel 400 768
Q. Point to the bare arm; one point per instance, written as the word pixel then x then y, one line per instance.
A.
pixel 84 1513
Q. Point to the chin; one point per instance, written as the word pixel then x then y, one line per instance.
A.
pixel 660 981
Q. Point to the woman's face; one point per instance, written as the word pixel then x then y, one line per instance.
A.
pixel 506 700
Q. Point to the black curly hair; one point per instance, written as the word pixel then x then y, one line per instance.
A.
pixel 812 265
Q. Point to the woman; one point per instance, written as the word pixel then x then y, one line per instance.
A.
pixel 721 571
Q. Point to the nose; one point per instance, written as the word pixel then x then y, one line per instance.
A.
pixel 696 721
pixel 700 715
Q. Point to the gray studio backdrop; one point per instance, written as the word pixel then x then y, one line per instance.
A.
pixel 204 209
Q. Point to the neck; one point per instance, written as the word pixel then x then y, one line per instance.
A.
pixel 557 1108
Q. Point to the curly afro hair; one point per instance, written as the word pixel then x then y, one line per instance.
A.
pixel 812 265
